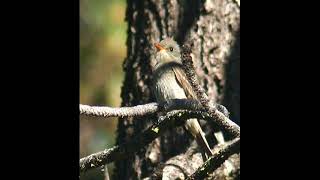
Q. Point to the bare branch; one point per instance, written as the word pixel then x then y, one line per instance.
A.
pixel 203 110
pixel 170 120
pixel 219 118
pixel 118 112
pixel 183 165
pixel 150 108
pixel 216 160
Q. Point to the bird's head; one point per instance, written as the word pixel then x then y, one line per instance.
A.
pixel 168 50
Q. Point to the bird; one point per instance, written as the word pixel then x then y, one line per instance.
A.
pixel 170 82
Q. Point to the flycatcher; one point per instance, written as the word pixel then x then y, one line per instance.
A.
pixel 170 82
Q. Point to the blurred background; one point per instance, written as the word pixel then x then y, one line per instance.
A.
pixel 102 52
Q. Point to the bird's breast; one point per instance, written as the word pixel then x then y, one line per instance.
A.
pixel 167 87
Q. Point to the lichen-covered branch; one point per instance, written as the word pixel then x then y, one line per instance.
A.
pixel 221 120
pixel 118 112
pixel 185 164
pixel 203 110
pixel 141 110
pixel 216 160
pixel 171 119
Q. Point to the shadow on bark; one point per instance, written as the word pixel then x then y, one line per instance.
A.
pixel 231 99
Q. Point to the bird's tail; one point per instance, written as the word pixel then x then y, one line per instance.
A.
pixel 204 146
pixel 193 126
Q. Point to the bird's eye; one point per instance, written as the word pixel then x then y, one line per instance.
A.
pixel 171 48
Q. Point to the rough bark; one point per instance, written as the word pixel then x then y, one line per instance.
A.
pixel 213 29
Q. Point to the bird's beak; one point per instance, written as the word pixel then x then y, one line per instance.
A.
pixel 158 46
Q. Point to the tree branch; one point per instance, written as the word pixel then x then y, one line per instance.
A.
pixel 118 112
pixel 150 108
pixel 216 160
pixel 203 110
pixel 184 165
pixel 219 118
pixel 170 120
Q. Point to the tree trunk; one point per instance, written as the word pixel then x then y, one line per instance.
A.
pixel 212 27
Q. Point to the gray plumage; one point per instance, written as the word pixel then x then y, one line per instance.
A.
pixel 170 82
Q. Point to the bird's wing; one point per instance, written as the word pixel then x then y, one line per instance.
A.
pixel 184 83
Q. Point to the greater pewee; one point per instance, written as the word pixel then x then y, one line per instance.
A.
pixel 170 82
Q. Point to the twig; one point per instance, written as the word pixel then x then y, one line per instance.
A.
pixel 219 118
pixel 171 119
pixel 216 160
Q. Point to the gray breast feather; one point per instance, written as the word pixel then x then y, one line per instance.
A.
pixel 166 87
